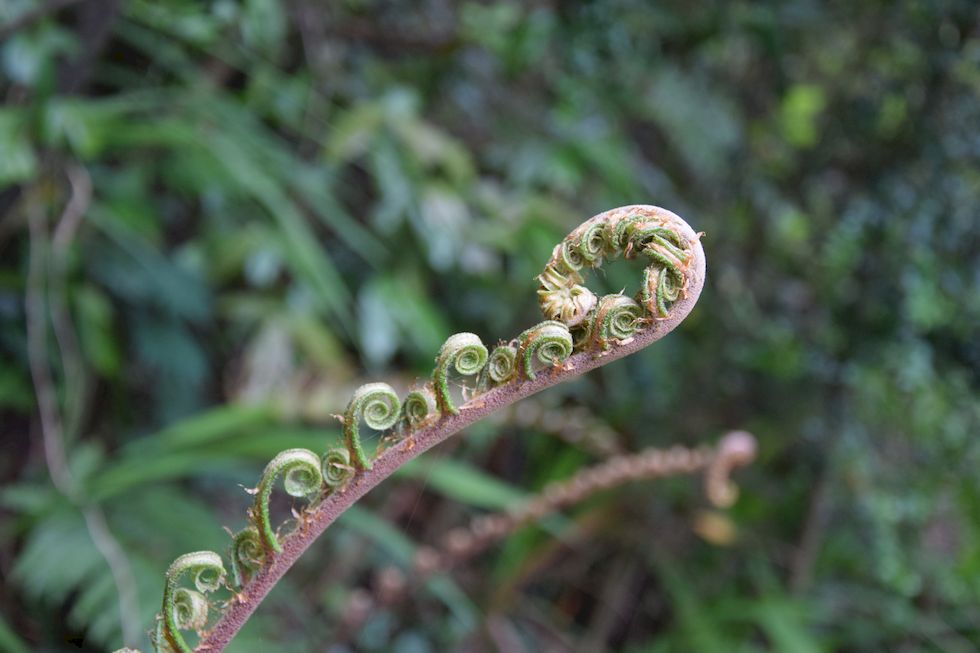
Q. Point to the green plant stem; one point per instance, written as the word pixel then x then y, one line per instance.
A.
pixel 319 518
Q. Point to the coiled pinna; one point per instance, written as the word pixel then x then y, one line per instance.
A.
pixel 421 407
pixel 546 343
pixel 336 468
pixel 616 318
pixel 378 406
pixel 501 365
pixel 247 554
pixel 184 608
pixel 300 469
pixel 463 352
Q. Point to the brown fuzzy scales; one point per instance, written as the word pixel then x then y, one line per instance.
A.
pixel 334 505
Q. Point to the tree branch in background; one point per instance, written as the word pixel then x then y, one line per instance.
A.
pixel 52 423
pixel 64 330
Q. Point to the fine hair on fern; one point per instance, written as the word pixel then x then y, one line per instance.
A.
pixel 580 331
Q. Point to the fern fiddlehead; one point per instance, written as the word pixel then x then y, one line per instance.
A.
pixel 616 318
pixel 421 407
pixel 501 365
pixel 581 332
pixel 561 295
pixel 300 469
pixel 547 343
pixel 337 468
pixel 464 352
pixel 630 231
pixel 247 554
pixel 184 608
pixel 378 405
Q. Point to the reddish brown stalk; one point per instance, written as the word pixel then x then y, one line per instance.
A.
pixel 317 519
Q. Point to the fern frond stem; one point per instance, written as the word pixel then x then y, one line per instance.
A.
pixel 333 505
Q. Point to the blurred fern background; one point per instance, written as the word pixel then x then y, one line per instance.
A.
pixel 230 214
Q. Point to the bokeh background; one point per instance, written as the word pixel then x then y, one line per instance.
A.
pixel 219 218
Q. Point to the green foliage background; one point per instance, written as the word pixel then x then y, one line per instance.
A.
pixel 291 197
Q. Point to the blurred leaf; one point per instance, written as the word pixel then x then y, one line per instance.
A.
pixel 27 57
pixel 354 131
pixel 16 391
pixel 149 464
pixel 799 112
pixel 9 641
pixel 398 308
pixel 785 628
pixel 684 106
pixel 95 330
pixel 464 483
pixel 82 126
pixel 206 427
pixel 694 620
pixel 57 557
pixel 402 549
pixel 135 270
pixel 263 25
pixel 17 159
